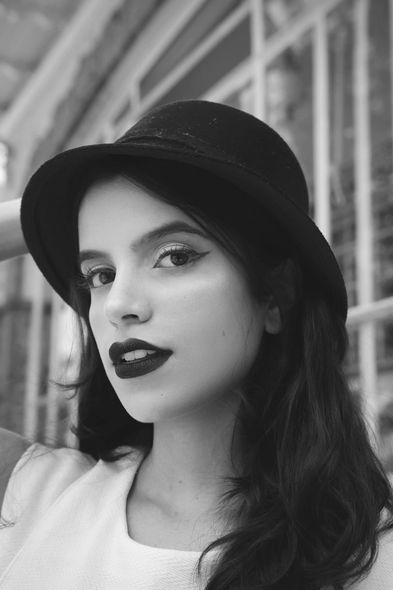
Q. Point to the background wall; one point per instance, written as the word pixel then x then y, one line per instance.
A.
pixel 319 71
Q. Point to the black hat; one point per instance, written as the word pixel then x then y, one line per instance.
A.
pixel 222 140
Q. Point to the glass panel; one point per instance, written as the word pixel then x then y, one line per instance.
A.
pixel 381 147
pixel 241 99
pixel 4 281
pixel 203 22
pixel 289 101
pixel 123 113
pixel 122 120
pixel 14 325
pixel 382 208
pixel 45 349
pixel 229 53
pixel 280 13
pixel 385 383
pixel 385 349
pixel 386 437
pixel 342 171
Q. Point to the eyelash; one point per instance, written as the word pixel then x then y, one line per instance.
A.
pixel 85 280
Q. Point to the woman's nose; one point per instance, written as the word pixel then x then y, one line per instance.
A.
pixel 126 300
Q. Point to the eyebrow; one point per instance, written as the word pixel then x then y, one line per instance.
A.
pixel 159 232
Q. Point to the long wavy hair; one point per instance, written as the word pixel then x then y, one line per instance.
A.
pixel 313 496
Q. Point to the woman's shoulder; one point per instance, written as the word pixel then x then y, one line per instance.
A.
pixel 40 475
pixel 12 447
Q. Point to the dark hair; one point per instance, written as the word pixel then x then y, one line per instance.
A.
pixel 312 491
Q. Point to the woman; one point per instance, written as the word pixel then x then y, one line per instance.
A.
pixel 215 424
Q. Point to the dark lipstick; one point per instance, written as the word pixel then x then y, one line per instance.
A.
pixel 135 368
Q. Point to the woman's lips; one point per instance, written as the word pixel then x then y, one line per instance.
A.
pixel 139 367
pixel 127 369
pixel 118 349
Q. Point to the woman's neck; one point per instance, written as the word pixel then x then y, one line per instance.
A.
pixel 191 455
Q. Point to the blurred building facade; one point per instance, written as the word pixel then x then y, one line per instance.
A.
pixel 319 71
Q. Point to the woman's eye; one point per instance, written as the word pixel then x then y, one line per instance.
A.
pixel 97 277
pixel 100 276
pixel 179 256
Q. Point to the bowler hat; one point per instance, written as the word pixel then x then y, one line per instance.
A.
pixel 212 137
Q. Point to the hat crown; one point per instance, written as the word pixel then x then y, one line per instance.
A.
pixel 214 138
pixel 224 133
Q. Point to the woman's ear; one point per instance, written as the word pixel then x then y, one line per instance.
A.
pixel 283 288
pixel 273 321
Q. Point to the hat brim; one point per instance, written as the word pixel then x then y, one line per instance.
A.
pixel 47 209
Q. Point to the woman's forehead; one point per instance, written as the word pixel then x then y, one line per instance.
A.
pixel 112 196
pixel 117 204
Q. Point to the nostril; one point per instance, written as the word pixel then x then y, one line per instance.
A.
pixel 116 313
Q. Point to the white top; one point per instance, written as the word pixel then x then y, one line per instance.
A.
pixel 71 533
pixel 71 528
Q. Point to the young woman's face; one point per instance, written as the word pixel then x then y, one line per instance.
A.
pixel 179 291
